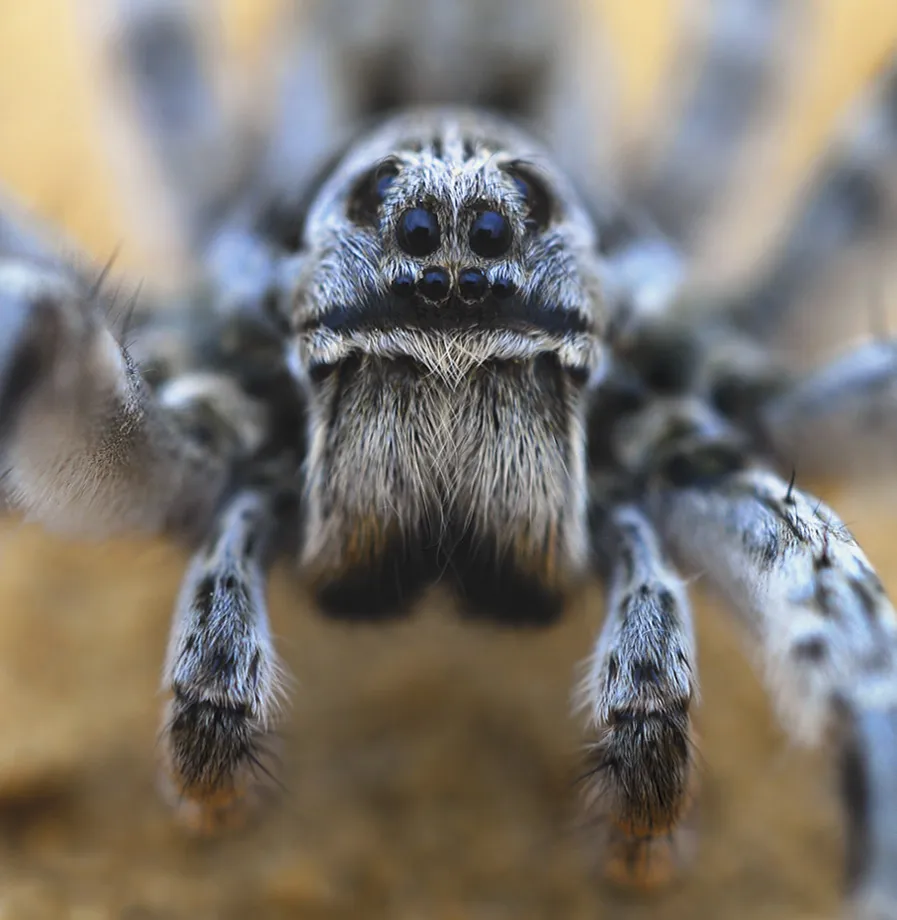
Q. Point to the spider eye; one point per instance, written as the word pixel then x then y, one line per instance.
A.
pixel 383 179
pixel 434 283
pixel 473 284
pixel 536 197
pixel 418 232
pixel 503 288
pixel 370 190
pixel 490 234
pixel 403 285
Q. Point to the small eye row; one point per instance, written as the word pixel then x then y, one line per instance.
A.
pixel 419 233
pixel 435 283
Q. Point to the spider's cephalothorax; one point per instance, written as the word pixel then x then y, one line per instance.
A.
pixel 418 355
pixel 448 322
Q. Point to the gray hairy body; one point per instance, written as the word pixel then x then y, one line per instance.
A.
pixel 424 343
pixel 441 427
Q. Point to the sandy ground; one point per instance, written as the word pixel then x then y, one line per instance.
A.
pixel 428 768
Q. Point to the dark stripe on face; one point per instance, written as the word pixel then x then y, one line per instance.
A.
pixel 385 312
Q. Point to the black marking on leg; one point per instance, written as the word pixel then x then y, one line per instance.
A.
pixel 254 666
pixel 795 527
pixel 36 338
pixel 771 549
pixel 209 743
pixel 666 359
pixel 643 764
pixel 613 667
pixel 645 672
pixel 855 793
pixel 813 650
pixel 26 370
pixel 705 467
pixel 869 604
pixel 667 606
pixel 204 601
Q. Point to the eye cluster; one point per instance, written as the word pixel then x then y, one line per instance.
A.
pixel 418 232
pixel 435 283
pixel 419 235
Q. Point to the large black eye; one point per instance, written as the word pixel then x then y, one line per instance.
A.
pixel 535 194
pixel 418 232
pixel 369 192
pixel 490 234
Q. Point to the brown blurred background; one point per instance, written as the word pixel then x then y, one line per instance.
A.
pixel 428 767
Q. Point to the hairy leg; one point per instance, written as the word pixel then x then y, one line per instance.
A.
pixel 737 60
pixel 638 692
pixel 849 402
pixel 222 669
pixel 868 768
pixel 84 444
pixel 851 197
pixel 827 631
pixel 172 128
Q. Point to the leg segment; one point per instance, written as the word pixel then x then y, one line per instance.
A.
pixel 532 61
pixel 221 668
pixel 850 198
pixel 869 787
pixel 827 631
pixel 638 693
pixel 161 76
pixel 742 52
pixel 218 194
pixel 84 445
pixel 642 270
pixel 849 402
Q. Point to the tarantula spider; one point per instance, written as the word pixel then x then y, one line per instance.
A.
pixel 436 352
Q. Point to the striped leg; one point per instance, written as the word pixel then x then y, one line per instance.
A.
pixel 737 60
pixel 84 445
pixel 851 197
pixel 222 669
pixel 166 112
pixel 840 419
pixel 638 692
pixel 827 631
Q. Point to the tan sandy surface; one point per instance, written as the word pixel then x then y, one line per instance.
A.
pixel 428 767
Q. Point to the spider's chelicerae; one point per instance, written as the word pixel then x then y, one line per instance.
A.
pixel 429 349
